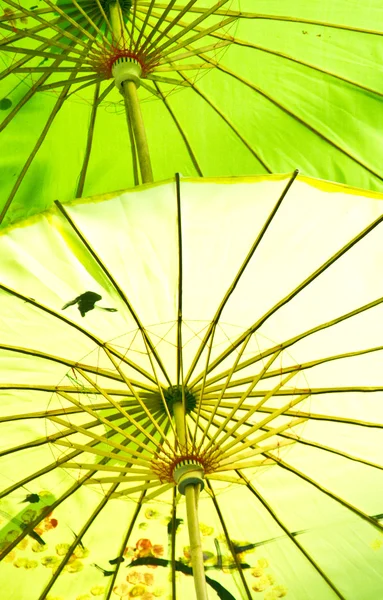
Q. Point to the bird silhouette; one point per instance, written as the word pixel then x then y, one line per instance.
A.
pixel 86 302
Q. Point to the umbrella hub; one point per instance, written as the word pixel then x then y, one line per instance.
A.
pixel 189 472
pixel 178 393
pixel 126 68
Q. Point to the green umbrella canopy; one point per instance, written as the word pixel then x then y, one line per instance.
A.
pixel 229 87
pixel 261 296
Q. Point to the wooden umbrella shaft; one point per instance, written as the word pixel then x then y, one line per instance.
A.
pixel 191 497
pixel 132 104
pixel 131 101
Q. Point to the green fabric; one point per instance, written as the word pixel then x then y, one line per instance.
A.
pixel 324 116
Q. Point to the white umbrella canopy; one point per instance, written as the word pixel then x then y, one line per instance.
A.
pixel 255 305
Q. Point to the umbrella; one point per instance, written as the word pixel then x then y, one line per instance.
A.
pixel 210 342
pixel 227 87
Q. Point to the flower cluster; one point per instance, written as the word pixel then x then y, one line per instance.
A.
pixel 143 548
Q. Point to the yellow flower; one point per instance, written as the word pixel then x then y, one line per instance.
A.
pixel 261 584
pixel 62 549
pixel 11 535
pixel 81 552
pixel 37 547
pixel 121 590
pixel 50 561
pixel 23 544
pixel 31 564
pixel 20 562
pixel 280 591
pixel 28 516
pixel 74 567
pixel 206 529
pixel 137 591
pixel 134 577
pixel 152 514
pixel 376 544
pixel 257 572
pixel 143 526
pixel 263 563
pixel 158 591
pixel 10 556
pixel 97 590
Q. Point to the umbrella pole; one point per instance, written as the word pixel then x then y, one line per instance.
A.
pixel 131 101
pixel 191 497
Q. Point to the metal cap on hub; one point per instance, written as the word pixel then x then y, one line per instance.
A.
pixel 124 69
pixel 188 472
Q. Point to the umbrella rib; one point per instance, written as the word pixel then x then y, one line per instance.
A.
pixel 108 24
pixel 93 78
pixel 180 282
pixel 143 461
pixel 253 383
pixel 291 368
pixel 210 399
pixel 246 44
pixel 14 66
pixel 20 15
pixel 328 263
pixel 173 22
pixel 351 507
pixel 51 438
pixel 76 541
pixel 76 25
pixel 23 33
pixel 197 51
pixel 300 120
pixel 237 277
pixel 238 358
pixel 155 28
pixel 30 33
pixel 133 27
pixel 52 25
pixel 135 394
pixel 254 428
pixel 299 337
pixel 45 512
pixel 186 29
pixel 91 412
pixel 107 91
pixel 181 131
pixel 228 541
pixel 60 360
pixel 78 538
pixel 307 442
pixel 60 461
pixel 145 22
pixel 229 466
pixel 123 412
pixel 90 22
pixel 116 286
pixel 304 123
pixel 260 16
pixel 292 538
pixel 124 544
pixel 89 141
pixel 316 416
pixel 226 120
pixel 201 34
pixel 57 106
